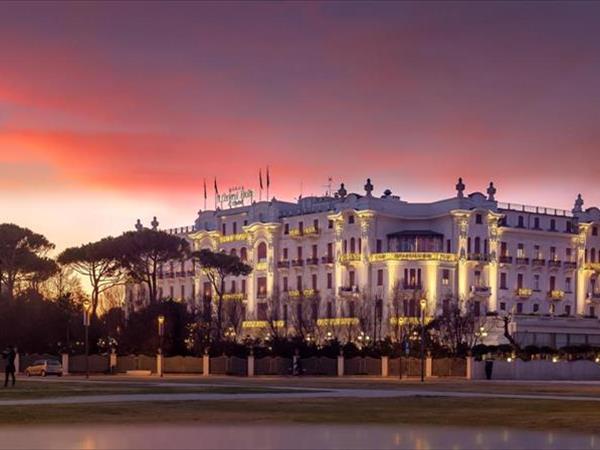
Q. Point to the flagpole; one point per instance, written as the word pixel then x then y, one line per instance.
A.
pixel 268 183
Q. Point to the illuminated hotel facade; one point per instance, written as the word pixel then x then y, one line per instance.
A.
pixel 365 262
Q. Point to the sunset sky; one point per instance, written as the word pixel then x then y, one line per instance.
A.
pixel 116 111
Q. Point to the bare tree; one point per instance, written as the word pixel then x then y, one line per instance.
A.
pixel 459 327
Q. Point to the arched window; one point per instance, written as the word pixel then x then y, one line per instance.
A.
pixel 233 252
pixel 352 245
pixel 477 244
pixel 243 254
pixel 593 255
pixel 261 251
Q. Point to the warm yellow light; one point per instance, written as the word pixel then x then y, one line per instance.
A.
pixel 412 256
pixel 423 303
pixel 161 319
pixel 87 305
pixel 555 359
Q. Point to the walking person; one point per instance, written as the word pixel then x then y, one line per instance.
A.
pixel 9 355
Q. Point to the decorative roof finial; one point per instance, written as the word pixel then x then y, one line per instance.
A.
pixel 342 191
pixel 578 204
pixel 154 223
pixel 491 191
pixel 138 225
pixel 460 187
pixel 369 188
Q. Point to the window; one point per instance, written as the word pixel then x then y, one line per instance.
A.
pixel 315 311
pixel 552 283
pixel 285 254
pixel 536 223
pixel 233 287
pixel 243 286
pixel 594 231
pixel 171 292
pixel 537 252
pixel 502 306
pixel 569 228
pixel 593 255
pixel 352 278
pixel 286 228
pixel 351 219
pixel 243 254
pixel 299 253
pixel 568 284
pixel 380 277
pixel 478 219
pixel 485 246
pixel 330 224
pixel 245 222
pixel 224 229
pixel 503 249
pixel 379 246
pixel 234 227
pixel 329 310
pixel 314 251
pixel 330 281
pixel 536 307
pixel 477 308
pixel 592 311
pixel 345 246
pixel 261 311
pixel 351 308
pixel 352 245
pixel 536 282
pixel 521 250
pixel 448 246
pixel 299 282
pixel 477 278
pixel 233 252
pixel 261 251
pixel 477 245
pixel 519 281
pixel 261 284
pixel 503 281
pixel 359 246
pixel 301 227
pixel 285 313
pixel 568 253
pixel 285 284
pixel 330 250
pixel 299 312
pixel 445 277
pixel 568 310
pixel 519 308
pixel 552 225
pixel 521 222
pixel 316 224
pixel 468 245
pixel 207 290
pixel 314 282
pixel 553 255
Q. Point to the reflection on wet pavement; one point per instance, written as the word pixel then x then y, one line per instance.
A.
pixel 279 436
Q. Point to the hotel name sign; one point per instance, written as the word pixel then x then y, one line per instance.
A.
pixel 235 196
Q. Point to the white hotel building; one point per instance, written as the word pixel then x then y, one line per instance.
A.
pixel 354 251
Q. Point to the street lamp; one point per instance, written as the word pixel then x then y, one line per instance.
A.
pixel 86 326
pixel 161 333
pixel 423 303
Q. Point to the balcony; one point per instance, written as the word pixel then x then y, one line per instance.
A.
pixel 191 273
pixel 505 259
pixel 555 264
pixel 537 262
pixel 477 257
pixel 350 257
pixel 412 256
pixel 304 293
pixel 327 259
pixel 556 294
pixel 348 290
pixel 481 290
pixel 312 261
pixel 283 264
pixel 261 294
pixel 407 285
pixel 594 296
pixel 297 262
pixel 306 231
pixel 524 292
pixel 522 261
pixel 570 265
pixel 234 296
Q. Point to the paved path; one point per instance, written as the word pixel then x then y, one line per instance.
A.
pixel 328 393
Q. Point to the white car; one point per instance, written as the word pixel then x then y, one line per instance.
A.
pixel 44 367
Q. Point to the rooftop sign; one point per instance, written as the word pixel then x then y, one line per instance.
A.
pixel 236 196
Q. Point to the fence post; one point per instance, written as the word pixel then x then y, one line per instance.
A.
pixel 112 364
pixel 205 364
pixel 384 366
pixel 428 366
pixel 17 361
pixel 469 375
pixel 250 362
pixel 340 364
pixel 159 364
pixel 65 363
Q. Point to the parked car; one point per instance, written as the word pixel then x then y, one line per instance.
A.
pixel 44 367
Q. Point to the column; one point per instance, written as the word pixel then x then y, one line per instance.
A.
pixel 385 361
pixel 65 363
pixel 493 261
pixel 580 289
pixel 462 221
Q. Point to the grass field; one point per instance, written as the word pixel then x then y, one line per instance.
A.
pixel 537 414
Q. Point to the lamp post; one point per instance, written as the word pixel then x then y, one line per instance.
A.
pixel 161 333
pixel 86 326
pixel 423 303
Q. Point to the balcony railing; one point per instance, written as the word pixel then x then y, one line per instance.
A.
pixel 556 294
pixel 594 296
pixel 306 231
pixel 350 257
pixel 346 290
pixel 412 286
pixel 537 262
pixel 261 295
pixel 570 265
pixel 478 257
pixel 283 264
pixel 312 261
pixel 297 262
pixel 412 256
pixel 231 296
pixel 505 259
pixel 481 290
pixel 522 261
pixel 534 209
pixel 327 259
pixel 524 292
pixel 305 293
pixel 554 263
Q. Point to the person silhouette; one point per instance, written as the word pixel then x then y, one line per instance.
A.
pixel 9 355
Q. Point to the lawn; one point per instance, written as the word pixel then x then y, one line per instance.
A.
pixel 531 414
